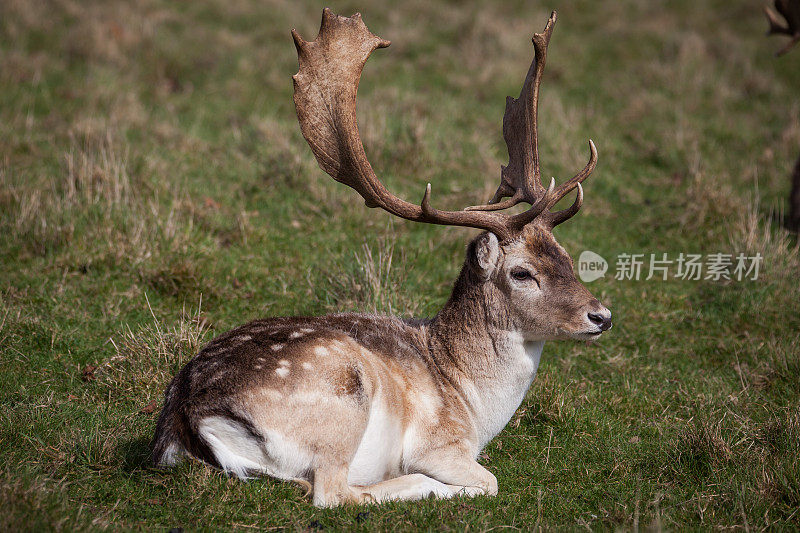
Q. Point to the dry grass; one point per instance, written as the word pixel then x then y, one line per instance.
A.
pixel 148 357
pixel 754 234
pixel 93 205
pixel 370 282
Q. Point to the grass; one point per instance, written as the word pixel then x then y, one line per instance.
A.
pixel 150 160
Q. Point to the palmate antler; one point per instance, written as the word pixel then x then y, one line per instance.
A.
pixel 520 180
pixel 325 90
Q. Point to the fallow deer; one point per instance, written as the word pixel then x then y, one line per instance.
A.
pixel 373 408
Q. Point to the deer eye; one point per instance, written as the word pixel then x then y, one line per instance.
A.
pixel 520 274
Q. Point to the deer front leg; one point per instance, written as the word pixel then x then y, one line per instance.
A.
pixel 408 487
pixel 460 472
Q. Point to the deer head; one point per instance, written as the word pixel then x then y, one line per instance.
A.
pixel 517 265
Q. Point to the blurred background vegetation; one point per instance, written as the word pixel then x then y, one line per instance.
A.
pixel 155 191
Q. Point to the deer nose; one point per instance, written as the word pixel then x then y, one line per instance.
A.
pixel 602 320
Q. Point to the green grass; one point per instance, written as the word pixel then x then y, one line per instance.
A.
pixel 150 158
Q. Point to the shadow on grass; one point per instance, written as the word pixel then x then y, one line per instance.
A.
pixel 134 454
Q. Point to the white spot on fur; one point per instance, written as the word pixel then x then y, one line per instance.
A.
pixel 282 371
pixel 307 366
pixel 276 347
pixel 273 394
pixel 311 398
pixel 295 335
pixel 321 351
pixel 284 362
pixel 257 367
pixel 261 360
pixel 242 338
pixel 306 330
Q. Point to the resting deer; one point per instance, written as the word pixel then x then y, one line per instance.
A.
pixel 361 407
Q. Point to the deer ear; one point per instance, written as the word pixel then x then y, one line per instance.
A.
pixel 483 254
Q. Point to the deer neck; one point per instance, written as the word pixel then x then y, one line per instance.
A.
pixel 482 355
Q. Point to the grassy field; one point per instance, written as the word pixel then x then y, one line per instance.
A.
pixel 155 191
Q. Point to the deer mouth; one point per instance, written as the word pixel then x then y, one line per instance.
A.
pixel 581 335
pixel 589 335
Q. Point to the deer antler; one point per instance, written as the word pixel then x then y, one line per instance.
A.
pixel 325 90
pixel 520 180
pixel 790 11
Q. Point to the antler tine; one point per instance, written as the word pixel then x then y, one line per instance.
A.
pixel 557 217
pixel 495 205
pixel 578 178
pixel 545 200
pixel 790 11
pixel 775 24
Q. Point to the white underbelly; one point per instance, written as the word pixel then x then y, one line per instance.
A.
pixel 379 454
